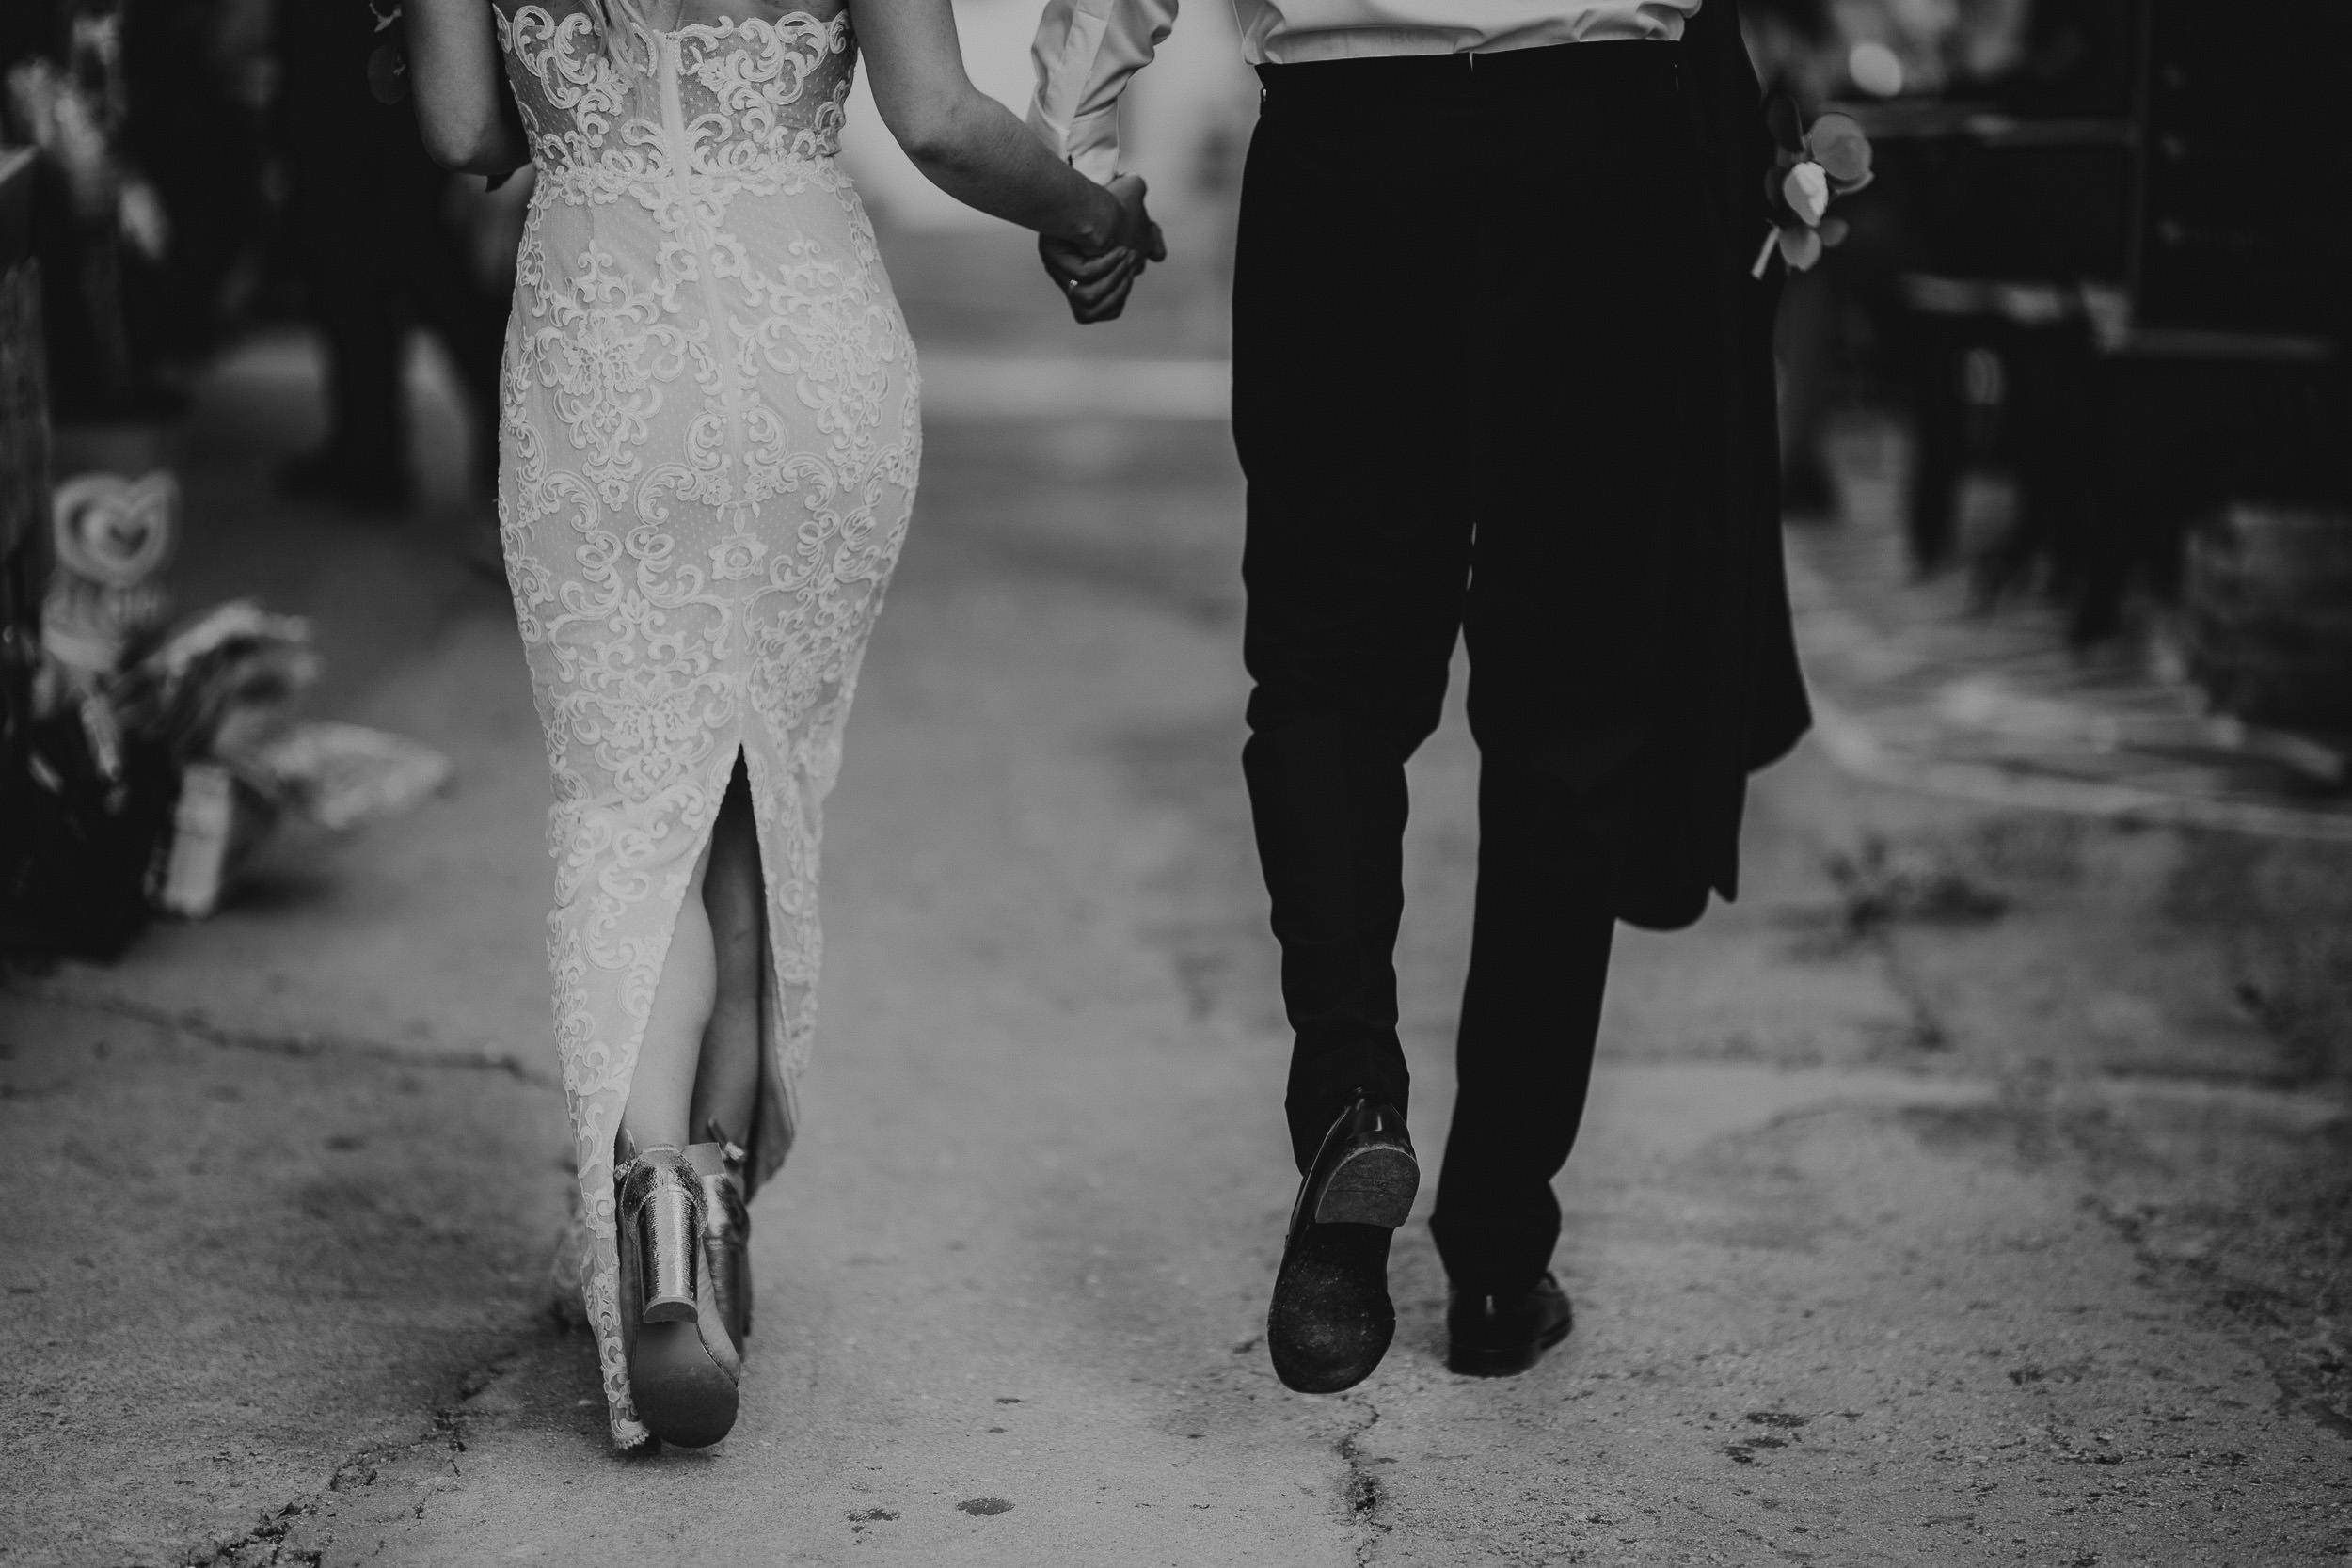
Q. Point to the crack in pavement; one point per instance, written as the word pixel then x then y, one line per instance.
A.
pixel 1361 1493
pixel 266 1544
pixel 199 1026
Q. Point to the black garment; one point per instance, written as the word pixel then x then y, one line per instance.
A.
pixel 381 252
pixel 192 134
pixel 1498 372
pixel 1523 1056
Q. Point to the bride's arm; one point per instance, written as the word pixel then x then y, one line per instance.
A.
pixel 971 146
pixel 460 86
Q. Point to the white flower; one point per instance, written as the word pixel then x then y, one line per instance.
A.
pixel 1806 191
pixel 737 556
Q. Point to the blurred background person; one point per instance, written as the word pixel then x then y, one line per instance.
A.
pixel 148 190
pixel 384 246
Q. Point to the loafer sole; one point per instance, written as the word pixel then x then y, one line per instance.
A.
pixel 1331 1320
pixel 1371 1185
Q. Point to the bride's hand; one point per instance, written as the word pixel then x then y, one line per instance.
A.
pixel 1097 282
pixel 1095 285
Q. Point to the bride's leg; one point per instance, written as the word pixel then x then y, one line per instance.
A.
pixel 661 1092
pixel 727 1082
pixel 683 1357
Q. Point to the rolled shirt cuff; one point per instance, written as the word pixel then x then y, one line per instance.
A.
pixel 1093 145
pixel 1089 144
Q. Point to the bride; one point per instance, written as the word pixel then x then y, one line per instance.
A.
pixel 708 441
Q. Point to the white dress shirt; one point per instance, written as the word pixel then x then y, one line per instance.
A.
pixel 1085 49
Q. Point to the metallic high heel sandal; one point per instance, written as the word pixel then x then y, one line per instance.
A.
pixel 727 1226
pixel 683 1361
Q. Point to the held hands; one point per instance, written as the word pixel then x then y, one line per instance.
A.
pixel 1097 281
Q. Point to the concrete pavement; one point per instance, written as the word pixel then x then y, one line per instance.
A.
pixel 1973 1191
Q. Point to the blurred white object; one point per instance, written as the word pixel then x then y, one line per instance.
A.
pixel 139 213
pixel 1807 191
pixel 212 830
pixel 225 623
pixel 1995 706
pixel 223 681
pixel 1875 68
pixel 341 775
pixel 62 120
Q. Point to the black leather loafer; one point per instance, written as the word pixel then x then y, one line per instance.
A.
pixel 1331 1320
pixel 1497 1336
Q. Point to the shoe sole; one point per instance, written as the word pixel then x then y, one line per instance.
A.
pixel 1331 1320
pixel 1374 1185
pixel 681 1394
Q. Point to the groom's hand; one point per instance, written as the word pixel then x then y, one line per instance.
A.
pixel 1097 282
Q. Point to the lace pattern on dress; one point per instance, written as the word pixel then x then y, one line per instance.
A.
pixel 760 101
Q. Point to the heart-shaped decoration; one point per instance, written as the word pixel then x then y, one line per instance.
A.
pixel 113 531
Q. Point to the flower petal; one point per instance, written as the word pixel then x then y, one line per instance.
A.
pixel 1806 188
pixel 1839 146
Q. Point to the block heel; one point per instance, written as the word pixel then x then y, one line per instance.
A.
pixel 684 1364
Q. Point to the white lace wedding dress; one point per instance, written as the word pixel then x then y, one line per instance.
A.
pixel 708 456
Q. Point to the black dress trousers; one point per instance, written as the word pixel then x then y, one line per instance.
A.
pixel 1480 389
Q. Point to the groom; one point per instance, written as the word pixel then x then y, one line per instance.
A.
pixel 1501 374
